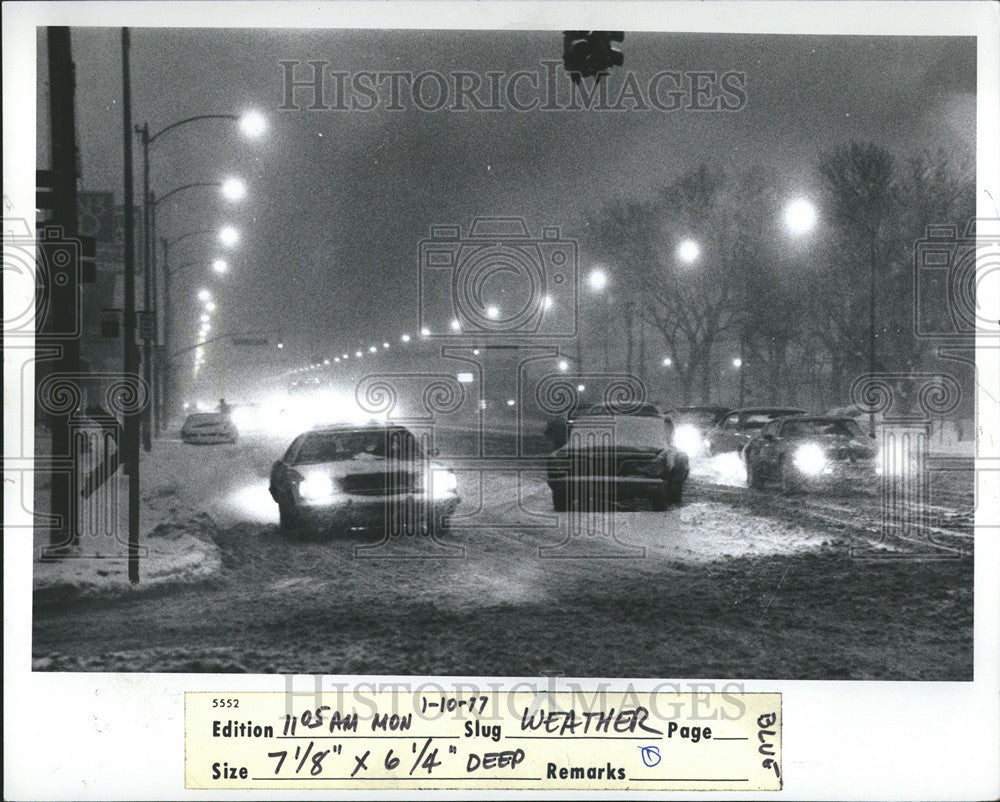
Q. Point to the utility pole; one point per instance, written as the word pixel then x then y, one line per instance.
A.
pixel 130 349
pixel 147 355
pixel 63 301
pixel 166 368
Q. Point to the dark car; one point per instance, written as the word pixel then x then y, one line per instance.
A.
pixel 362 476
pixel 618 457
pixel 807 451
pixel 208 428
pixel 692 425
pixel 736 429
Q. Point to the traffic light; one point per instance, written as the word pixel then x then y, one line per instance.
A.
pixel 591 53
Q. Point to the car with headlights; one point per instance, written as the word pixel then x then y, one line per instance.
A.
pixel 362 476
pixel 692 425
pixel 618 457
pixel 809 451
pixel 740 426
pixel 209 428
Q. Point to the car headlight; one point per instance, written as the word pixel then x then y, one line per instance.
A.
pixel 444 484
pixel 810 459
pixel 688 439
pixel 316 488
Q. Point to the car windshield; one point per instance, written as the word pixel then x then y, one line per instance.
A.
pixel 354 444
pixel 630 431
pixel 201 418
pixel 820 428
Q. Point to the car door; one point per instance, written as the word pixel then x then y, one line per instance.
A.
pixel 767 448
pixel 727 436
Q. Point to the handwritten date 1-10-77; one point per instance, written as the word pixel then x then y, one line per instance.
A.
pixel 448 704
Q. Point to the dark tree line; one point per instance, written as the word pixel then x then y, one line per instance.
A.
pixel 797 304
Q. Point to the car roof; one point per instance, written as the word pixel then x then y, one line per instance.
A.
pixel 824 418
pixel 354 427
pixel 643 410
pixel 790 410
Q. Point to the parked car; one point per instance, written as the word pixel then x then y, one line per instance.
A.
pixel 692 425
pixel 208 428
pixel 736 429
pixel 806 451
pixel 618 457
pixel 364 476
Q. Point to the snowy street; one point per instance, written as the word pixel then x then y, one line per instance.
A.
pixel 729 583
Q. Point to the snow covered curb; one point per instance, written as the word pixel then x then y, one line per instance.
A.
pixel 178 553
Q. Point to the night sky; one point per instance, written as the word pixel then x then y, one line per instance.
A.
pixel 339 200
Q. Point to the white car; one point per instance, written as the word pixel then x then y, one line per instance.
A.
pixel 208 428
pixel 362 476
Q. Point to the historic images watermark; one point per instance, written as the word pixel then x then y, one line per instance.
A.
pixel 318 85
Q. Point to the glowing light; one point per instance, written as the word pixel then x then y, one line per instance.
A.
pixel 385 345
pixel 326 361
pixel 547 302
pixel 281 345
pixel 597 279
pixel 581 387
pixel 475 351
pixel 229 236
pixel 688 250
pixel 800 216
pixel 336 359
pixel 220 266
pixel 456 325
pixel 372 349
pixel 492 312
pixel 689 440
pixel 253 124
pixel 405 338
pixel 358 354
pixel 810 459
pixel 233 189
pixel 425 332
pixel 667 361
pixel 204 295
pixel 563 365
pixel 210 306
pixel 737 363
pixel 345 356
pixel 511 402
pixel 204 318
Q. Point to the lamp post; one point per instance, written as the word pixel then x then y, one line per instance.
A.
pixel 167 273
pixel 252 124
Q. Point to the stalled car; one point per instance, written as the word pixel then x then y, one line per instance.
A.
pixel 801 452
pixel 366 476
pixel 740 426
pixel 618 457
pixel 692 425
pixel 209 428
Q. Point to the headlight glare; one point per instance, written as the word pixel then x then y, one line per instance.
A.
pixel 444 484
pixel 688 439
pixel 810 459
pixel 316 488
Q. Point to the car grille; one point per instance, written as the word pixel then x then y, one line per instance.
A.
pixel 385 483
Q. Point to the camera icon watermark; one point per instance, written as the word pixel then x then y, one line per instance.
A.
pixel 957 281
pixel 498 282
pixel 43 271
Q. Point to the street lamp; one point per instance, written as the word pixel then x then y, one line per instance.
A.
pixel 220 266
pixel 800 216
pixel 204 295
pixel 492 312
pixel 688 251
pixel 234 189
pixel 229 236
pixel 597 279
pixel 252 124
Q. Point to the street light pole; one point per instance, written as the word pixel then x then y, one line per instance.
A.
pixel 147 356
pixel 131 350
